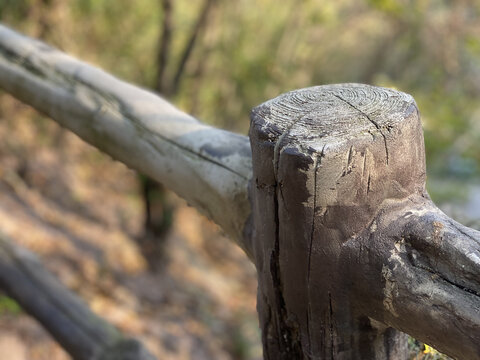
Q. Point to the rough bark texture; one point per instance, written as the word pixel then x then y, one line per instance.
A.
pixel 430 276
pixel 84 335
pixel 208 167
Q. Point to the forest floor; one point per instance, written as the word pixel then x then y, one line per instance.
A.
pixel 81 213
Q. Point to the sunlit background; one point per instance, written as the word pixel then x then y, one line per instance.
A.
pixel 85 215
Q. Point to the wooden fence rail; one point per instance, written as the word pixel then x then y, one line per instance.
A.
pixel 206 166
pixel 349 249
pixel 79 331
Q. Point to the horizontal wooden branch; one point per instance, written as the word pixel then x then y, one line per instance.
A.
pixel 431 275
pixel 83 334
pixel 208 167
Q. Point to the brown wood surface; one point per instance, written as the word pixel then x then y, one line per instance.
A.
pixel 347 243
pixel 332 167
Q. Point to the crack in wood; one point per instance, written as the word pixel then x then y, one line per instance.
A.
pixel 364 163
pixel 287 336
pixel 317 162
pixel 416 263
pixel 332 332
pixel 369 119
pixel 441 277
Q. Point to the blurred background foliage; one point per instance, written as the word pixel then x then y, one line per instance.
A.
pixel 248 51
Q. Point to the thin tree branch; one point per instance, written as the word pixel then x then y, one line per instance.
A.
pixel 164 46
pixel 197 29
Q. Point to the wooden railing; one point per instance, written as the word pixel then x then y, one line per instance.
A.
pixel 328 200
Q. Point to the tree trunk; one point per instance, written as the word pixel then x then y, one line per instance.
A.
pixel 322 168
pixel 159 211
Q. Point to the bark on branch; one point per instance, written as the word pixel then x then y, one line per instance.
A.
pixel 430 270
pixel 84 335
pixel 208 167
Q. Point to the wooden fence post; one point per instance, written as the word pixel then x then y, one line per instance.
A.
pixel 347 244
pixel 322 169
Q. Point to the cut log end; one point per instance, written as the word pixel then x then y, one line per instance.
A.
pixel 364 144
pixel 333 114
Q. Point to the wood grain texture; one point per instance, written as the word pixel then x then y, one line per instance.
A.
pixel 208 167
pixel 83 334
pixel 346 241
pixel 430 275
pixel 335 168
pixel 324 159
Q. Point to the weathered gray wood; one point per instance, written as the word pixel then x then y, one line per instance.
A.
pixel 208 167
pixel 346 242
pixel 430 269
pixel 331 164
pixel 84 335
